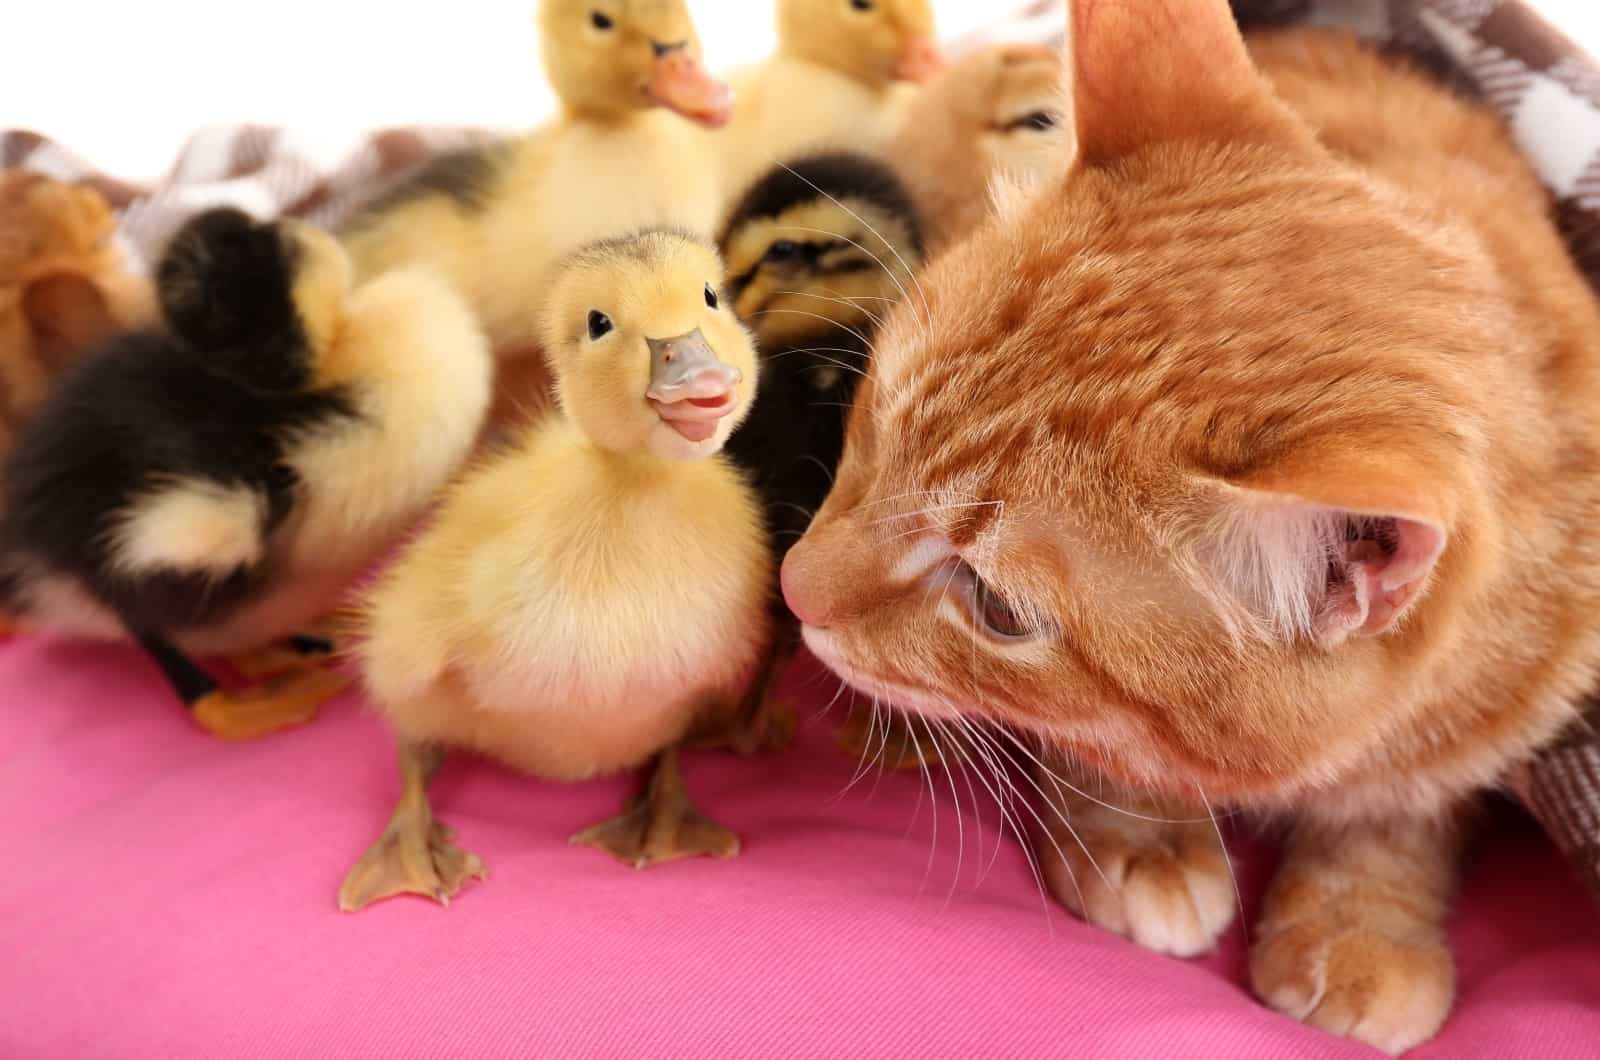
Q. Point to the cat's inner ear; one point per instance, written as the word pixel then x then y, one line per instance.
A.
pixel 1323 571
pixel 1138 72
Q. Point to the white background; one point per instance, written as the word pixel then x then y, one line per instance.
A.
pixel 122 83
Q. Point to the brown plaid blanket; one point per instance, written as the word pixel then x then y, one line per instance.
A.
pixel 1498 50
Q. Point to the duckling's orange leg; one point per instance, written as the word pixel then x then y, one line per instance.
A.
pixel 661 824
pixel 284 702
pixel 274 660
pixel 416 854
pixel 312 646
pixel 891 738
pixel 335 628
pixel 761 722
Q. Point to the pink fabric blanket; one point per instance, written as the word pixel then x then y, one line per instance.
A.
pixel 170 897
pixel 167 896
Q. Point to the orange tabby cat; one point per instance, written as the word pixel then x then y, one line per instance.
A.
pixel 1251 459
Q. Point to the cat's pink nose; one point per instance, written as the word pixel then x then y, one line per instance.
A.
pixel 799 588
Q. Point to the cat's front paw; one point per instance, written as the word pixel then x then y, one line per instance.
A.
pixel 1166 887
pixel 1341 969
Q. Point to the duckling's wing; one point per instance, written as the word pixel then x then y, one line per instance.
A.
pixel 190 525
pixel 418 369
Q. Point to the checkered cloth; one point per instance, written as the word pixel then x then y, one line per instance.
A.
pixel 1498 50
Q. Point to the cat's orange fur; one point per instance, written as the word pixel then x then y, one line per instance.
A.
pixel 1268 428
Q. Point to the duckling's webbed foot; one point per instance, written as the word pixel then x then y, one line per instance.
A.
pixel 283 702
pixel 895 740
pixel 281 657
pixel 312 646
pixel 661 824
pixel 416 854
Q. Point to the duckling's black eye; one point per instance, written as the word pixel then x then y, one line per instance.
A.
pixel 861 5
pixel 711 297
pixel 601 21
pixel 783 250
pixel 599 325
pixel 1039 121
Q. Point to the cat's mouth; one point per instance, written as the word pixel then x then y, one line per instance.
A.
pixel 825 646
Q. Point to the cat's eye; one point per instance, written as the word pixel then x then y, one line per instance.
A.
pixel 783 250
pixel 601 21
pixel 991 612
pixel 599 325
pixel 1038 121
pixel 862 5
pixel 998 617
pixel 711 296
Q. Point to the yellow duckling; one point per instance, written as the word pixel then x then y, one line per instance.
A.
pixel 838 81
pixel 994 115
pixel 587 598
pixel 619 156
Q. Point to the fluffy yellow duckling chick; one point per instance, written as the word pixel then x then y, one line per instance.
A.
pixel 837 82
pixel 992 116
pixel 586 598
pixel 619 156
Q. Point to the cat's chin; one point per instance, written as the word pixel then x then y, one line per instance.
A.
pixel 825 647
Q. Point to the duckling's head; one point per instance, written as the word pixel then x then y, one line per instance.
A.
pixel 818 250
pixel 610 58
pixel 873 41
pixel 261 300
pixel 58 252
pixel 47 225
pixel 645 353
pixel 995 114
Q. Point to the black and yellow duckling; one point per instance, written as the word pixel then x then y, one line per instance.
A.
pixel 817 251
pixel 213 485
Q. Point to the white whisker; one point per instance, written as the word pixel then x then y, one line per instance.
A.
pixel 816 316
pixel 937 510
pixel 961 831
pixel 948 739
pixel 872 318
pixel 861 765
pixel 826 470
pixel 1055 811
pixel 927 319
pixel 921 314
pixel 807 512
pixel 933 801
pixel 1227 859
pixel 1056 779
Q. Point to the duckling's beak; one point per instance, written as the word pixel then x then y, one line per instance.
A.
pixel 681 84
pixel 691 389
pixel 920 61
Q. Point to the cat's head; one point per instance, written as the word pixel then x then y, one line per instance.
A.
pixel 1174 461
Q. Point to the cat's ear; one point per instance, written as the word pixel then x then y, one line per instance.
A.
pixel 1330 556
pixel 1138 72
